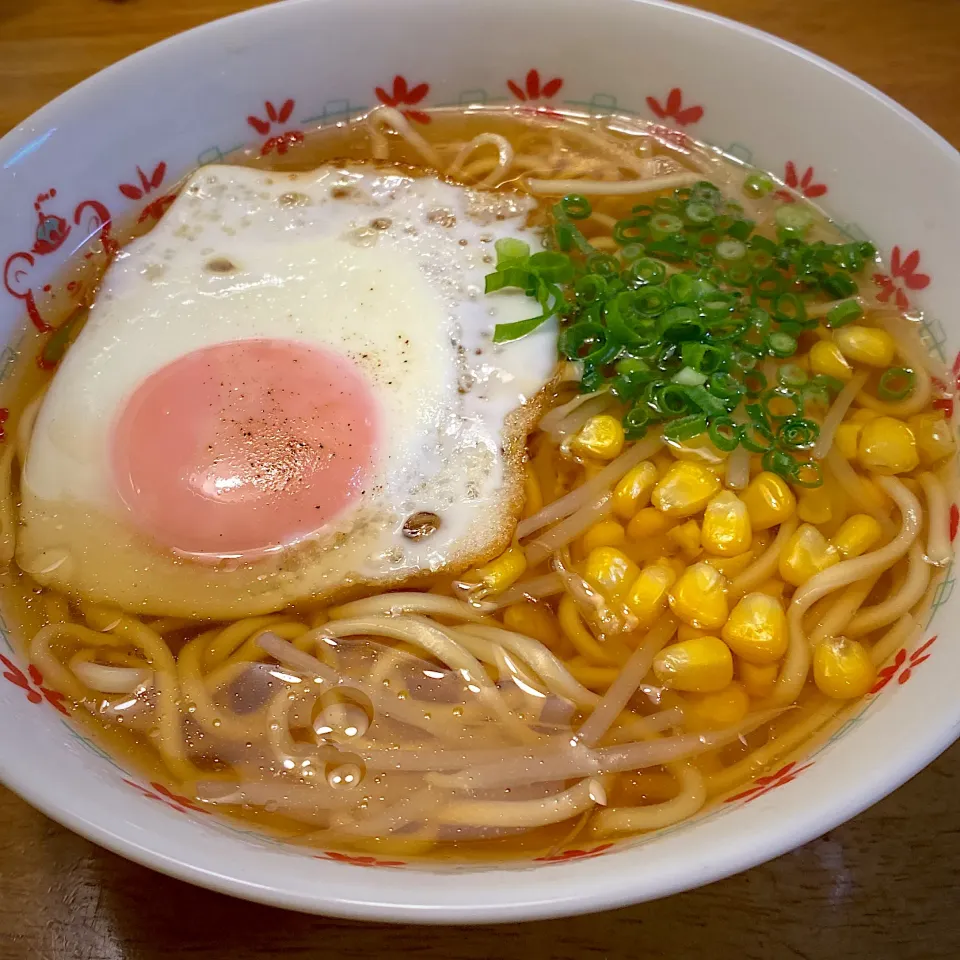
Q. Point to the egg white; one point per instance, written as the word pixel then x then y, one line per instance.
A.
pixel 380 266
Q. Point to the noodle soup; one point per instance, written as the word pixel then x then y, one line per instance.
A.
pixel 717 509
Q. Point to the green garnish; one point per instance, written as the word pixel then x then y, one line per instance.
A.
pixel 678 322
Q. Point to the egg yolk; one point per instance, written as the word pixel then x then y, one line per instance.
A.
pixel 244 446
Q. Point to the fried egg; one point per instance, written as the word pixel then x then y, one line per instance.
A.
pixel 286 391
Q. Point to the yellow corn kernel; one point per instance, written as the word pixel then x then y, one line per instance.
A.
pixel 601 437
pixel 632 493
pixel 498 574
pixel 842 668
pixel 731 566
pixel 663 461
pixel 685 489
pixel 773 587
pixel 805 554
pixel 724 708
pixel 856 535
pixel 674 563
pixel 887 446
pixel 532 495
pixel 606 533
pixel 687 537
pixel 700 665
pixel 862 416
pixel 647 596
pixel 610 570
pixel 756 630
pixel 648 522
pixel 847 439
pixel 532 620
pixel 699 597
pixel 815 505
pixel 686 632
pixel 758 678
pixel 866 345
pixel 826 358
pixel 934 437
pixel 769 500
pixel 727 530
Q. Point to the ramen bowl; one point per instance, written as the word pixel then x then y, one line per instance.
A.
pixel 112 150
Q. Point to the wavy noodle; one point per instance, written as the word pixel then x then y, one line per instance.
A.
pixel 765 566
pixel 938 520
pixel 505 156
pixel 380 117
pixel 899 602
pixel 690 798
pixel 796 663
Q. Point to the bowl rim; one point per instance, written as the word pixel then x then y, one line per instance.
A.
pixel 767 841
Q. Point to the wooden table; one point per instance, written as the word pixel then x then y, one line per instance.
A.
pixel 884 885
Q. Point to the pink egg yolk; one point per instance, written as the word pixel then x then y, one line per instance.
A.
pixel 244 446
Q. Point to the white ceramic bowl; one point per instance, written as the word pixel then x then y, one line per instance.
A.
pixel 114 145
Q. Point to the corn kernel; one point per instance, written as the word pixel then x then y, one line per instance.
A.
pixel 632 493
pixel 606 533
pixel 648 522
pixel 532 495
pixel 856 535
pixel 826 359
pixel 769 500
pixel 934 437
pixel 700 665
pixel 757 629
pixel 842 668
pixel 498 574
pixel 815 505
pixel 724 708
pixel 685 489
pixel 687 537
pixel 730 567
pixel 863 415
pixel 773 587
pixel 727 530
pixel 686 632
pixel 887 446
pixel 699 597
pixel 847 439
pixel 601 437
pixel 532 620
pixel 673 563
pixel 647 596
pixel 663 461
pixel 610 570
pixel 806 554
pixel 758 678
pixel 866 345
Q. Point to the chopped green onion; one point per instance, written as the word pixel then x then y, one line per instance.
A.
pixel 576 207
pixel 757 185
pixel 552 266
pixel 791 375
pixel 756 437
pixel 699 213
pixel 665 224
pixel 788 307
pixel 632 251
pixel 510 249
pixel 636 422
pixel 630 231
pixel 724 434
pixel 590 288
pixel 682 288
pixel 755 381
pixel 897 383
pixel 688 377
pixel 685 427
pixel 648 271
pixel 780 344
pixel 793 216
pixel 603 264
pixel 798 433
pixel 807 473
pixel 585 341
pixel 844 313
pixel 730 249
pixel 774 401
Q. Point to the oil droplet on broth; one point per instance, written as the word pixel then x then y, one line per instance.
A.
pixel 347 774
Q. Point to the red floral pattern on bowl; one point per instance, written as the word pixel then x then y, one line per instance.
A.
pixel 357 860
pixel 31 683
pixel 403 96
pixel 763 785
